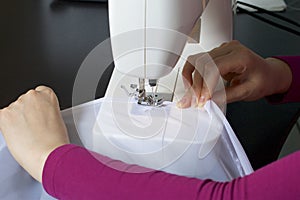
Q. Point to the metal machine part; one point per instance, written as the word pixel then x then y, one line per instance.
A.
pixel 152 82
pixel 139 93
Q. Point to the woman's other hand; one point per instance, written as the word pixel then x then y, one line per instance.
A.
pixel 32 127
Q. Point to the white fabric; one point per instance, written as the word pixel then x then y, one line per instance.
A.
pixel 190 142
pixel 271 5
pixel 16 184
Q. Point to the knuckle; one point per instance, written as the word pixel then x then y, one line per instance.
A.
pixel 46 92
pixel 224 44
pixel 5 111
pixel 29 93
pixel 243 56
pixel 235 42
pixel 4 114
pixel 43 88
pixel 191 57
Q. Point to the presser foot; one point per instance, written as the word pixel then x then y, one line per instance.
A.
pixel 142 97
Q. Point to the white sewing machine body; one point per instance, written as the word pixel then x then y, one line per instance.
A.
pixel 155 33
pixel 149 38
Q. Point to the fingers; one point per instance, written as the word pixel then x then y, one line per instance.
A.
pixel 205 66
pixel 202 84
pixel 212 81
pixel 187 73
pixel 33 94
pixel 189 97
pixel 192 95
pixel 198 93
pixel 238 92
pixel 229 61
pixel 192 81
pixel 186 100
pixel 198 84
pixel 48 93
pixel 223 49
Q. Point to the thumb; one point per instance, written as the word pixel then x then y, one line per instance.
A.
pixel 238 92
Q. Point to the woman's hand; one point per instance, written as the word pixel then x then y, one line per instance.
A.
pixel 33 127
pixel 249 76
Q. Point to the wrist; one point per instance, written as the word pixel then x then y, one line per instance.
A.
pixel 281 76
pixel 38 170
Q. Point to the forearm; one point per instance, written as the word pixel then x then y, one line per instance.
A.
pixel 73 173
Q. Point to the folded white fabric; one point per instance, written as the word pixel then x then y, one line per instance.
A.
pixel 271 5
pixel 190 142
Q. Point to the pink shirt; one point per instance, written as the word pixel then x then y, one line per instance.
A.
pixel 72 172
pixel 293 95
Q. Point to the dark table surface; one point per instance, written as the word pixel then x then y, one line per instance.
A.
pixel 45 42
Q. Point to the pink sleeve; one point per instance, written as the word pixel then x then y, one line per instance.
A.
pixel 293 94
pixel 72 172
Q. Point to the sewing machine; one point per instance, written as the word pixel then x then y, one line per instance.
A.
pixel 151 40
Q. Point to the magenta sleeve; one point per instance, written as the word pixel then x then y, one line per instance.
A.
pixel 293 94
pixel 72 172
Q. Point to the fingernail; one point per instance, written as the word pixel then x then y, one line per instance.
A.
pixel 201 101
pixel 181 103
pixel 194 102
